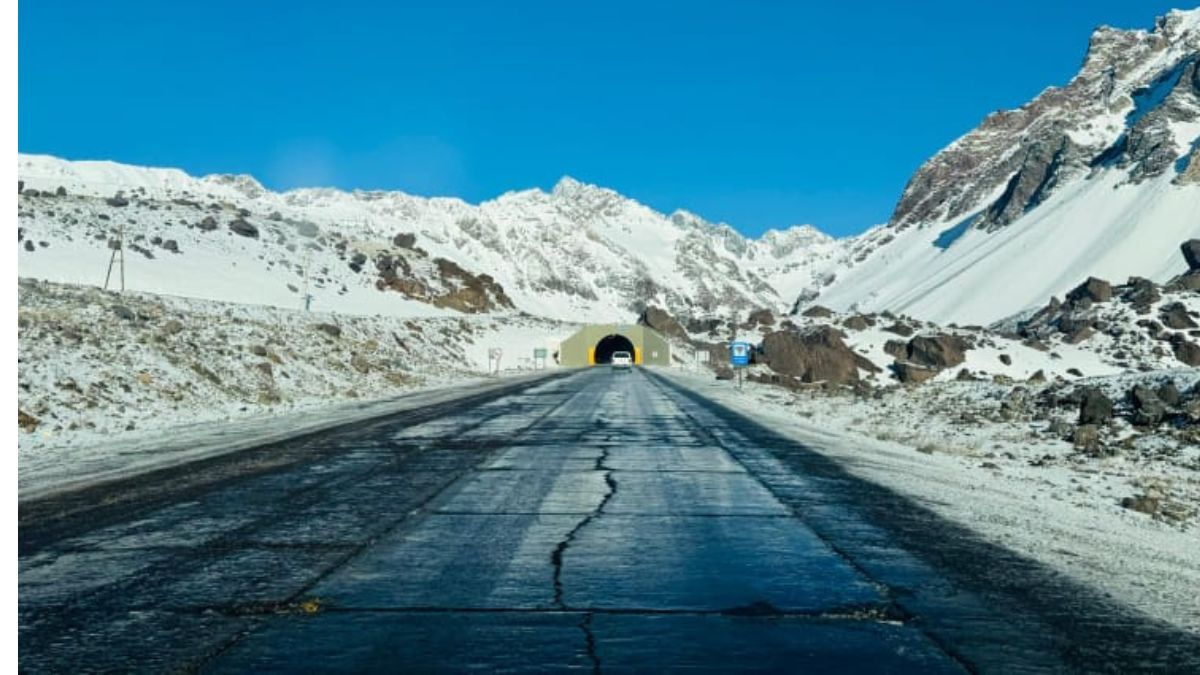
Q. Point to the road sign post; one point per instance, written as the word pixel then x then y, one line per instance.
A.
pixel 494 355
pixel 739 358
pixel 539 358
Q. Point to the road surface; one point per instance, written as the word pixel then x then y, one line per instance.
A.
pixel 602 521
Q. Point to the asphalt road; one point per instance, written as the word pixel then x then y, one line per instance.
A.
pixel 599 521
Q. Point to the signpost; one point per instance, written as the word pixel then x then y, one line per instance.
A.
pixel 739 357
pixel 494 355
pixel 539 358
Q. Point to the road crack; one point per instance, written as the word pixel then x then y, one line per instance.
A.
pixel 556 556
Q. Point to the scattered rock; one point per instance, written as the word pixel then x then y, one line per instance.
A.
pixel 903 330
pixel 123 312
pixel 1006 359
pixel 171 245
pixel 360 363
pixel 724 372
pixel 26 422
pixel 118 200
pixel 208 224
pixel 404 240
pixel 172 327
pixel 1039 376
pixel 817 312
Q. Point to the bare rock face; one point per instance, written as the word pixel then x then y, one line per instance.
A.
pixel 1148 78
pixel 814 355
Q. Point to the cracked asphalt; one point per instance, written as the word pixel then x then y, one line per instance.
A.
pixel 604 521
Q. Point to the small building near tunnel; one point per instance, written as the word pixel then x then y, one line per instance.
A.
pixel 595 344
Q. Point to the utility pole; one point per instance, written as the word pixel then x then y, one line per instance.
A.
pixel 307 295
pixel 118 250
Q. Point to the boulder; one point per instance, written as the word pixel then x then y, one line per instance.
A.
pixel 329 329
pixel 724 372
pixel 123 312
pixel 896 348
pixel 1079 335
pixel 817 312
pixel 761 317
pixel 814 355
pixel 901 329
pixel 360 363
pixel 964 375
pixel 1141 293
pixel 1148 410
pixel 1093 290
pixel 1087 438
pixel 937 351
pixel 1185 350
pixel 662 321
pixel 1168 393
pixel 857 322
pixel 171 245
pixel 1094 407
pixel 117 200
pixel 1175 315
pixel 207 224
pixel 1142 504
pixel 1006 359
pixel 912 373
pixel 244 228
pixel 1191 253
pixel 404 240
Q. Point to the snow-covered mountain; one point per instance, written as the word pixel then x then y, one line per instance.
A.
pixel 579 252
pixel 1100 177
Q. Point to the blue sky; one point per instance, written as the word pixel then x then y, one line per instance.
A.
pixel 758 114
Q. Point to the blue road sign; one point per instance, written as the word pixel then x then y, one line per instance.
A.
pixel 739 353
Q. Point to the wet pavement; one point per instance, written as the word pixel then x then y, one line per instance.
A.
pixel 601 521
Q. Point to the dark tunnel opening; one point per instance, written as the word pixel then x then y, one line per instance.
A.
pixel 613 343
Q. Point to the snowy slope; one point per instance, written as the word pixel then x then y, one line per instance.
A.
pixel 1098 178
pixel 578 252
pixel 1096 227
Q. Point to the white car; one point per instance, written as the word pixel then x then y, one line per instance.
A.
pixel 622 360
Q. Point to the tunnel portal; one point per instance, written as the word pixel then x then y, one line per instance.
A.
pixel 610 344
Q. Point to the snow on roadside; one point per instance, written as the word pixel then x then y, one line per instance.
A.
pixel 103 375
pixel 1008 480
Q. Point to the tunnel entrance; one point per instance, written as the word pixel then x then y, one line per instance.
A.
pixel 613 343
